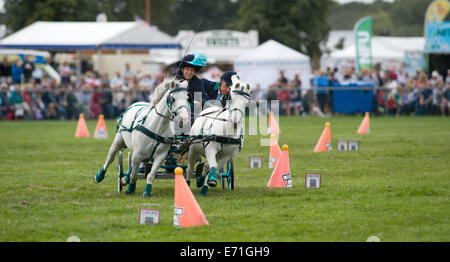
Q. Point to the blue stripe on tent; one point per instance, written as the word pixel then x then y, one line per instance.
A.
pixel 92 47
pixel 51 47
pixel 140 46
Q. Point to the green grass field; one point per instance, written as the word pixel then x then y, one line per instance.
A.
pixel 396 187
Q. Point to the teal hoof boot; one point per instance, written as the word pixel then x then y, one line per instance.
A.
pixel 131 189
pixel 203 191
pixel 100 175
pixel 200 181
pixel 212 177
pixel 148 191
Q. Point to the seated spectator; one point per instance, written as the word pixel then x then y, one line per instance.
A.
pixel 28 68
pixel 5 71
pixel 65 72
pixel 72 107
pixel 436 102
pixel 391 105
pixel 445 104
pixel 17 72
pixel 95 108
pixel 16 99
pixel 118 95
pixel 296 95
pixel 128 74
pixel 283 96
pixel 52 112
pixel 146 82
pixel 39 107
pixel 6 111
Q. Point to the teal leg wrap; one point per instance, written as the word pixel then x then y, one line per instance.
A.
pixel 126 176
pixel 212 177
pixel 131 189
pixel 203 191
pixel 148 190
pixel 100 175
pixel 200 181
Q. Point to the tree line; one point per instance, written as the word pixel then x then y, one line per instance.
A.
pixel 303 25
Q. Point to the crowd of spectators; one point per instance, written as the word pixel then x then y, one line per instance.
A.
pixel 394 93
pixel 35 96
pixel 26 92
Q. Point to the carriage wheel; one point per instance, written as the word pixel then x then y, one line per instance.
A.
pixel 119 176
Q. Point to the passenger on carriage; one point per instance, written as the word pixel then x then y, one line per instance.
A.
pixel 219 91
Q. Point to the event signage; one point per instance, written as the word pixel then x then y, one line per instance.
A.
pixel 363 38
pixel 437 29
pixel 313 179
pixel 219 39
pixel 438 37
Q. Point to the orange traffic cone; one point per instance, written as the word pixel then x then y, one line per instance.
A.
pixel 187 212
pixel 82 130
pixel 100 130
pixel 273 125
pixel 281 175
pixel 275 151
pixel 324 143
pixel 364 128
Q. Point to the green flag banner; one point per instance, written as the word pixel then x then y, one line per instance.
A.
pixel 363 38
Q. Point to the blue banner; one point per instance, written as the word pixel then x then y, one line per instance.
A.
pixel 438 37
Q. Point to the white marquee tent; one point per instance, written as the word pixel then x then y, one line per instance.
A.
pixel 95 36
pixel 263 64
pixel 384 49
pixel 61 36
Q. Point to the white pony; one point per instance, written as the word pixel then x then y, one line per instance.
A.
pixel 146 130
pixel 226 127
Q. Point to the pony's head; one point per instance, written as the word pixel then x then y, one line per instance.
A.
pixel 240 98
pixel 177 102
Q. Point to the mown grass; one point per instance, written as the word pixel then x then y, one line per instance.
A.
pixel 396 187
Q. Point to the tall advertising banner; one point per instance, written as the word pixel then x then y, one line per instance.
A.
pixel 436 29
pixel 363 38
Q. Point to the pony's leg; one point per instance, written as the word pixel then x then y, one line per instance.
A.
pixel 117 144
pixel 159 156
pixel 201 178
pixel 210 152
pixel 193 155
pixel 135 161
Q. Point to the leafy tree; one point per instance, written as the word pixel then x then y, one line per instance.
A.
pixel 400 18
pixel 20 13
pixel 300 24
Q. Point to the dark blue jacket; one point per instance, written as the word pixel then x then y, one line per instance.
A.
pixel 211 88
pixel 194 85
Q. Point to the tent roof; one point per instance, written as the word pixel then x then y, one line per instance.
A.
pixel 89 35
pixel 385 47
pixel 272 50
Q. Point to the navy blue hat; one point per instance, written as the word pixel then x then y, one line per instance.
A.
pixel 227 77
pixel 196 60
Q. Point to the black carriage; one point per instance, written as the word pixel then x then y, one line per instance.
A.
pixel 172 161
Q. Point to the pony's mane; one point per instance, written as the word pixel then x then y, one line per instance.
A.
pixel 159 92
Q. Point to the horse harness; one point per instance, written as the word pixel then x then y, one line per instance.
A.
pixel 173 140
